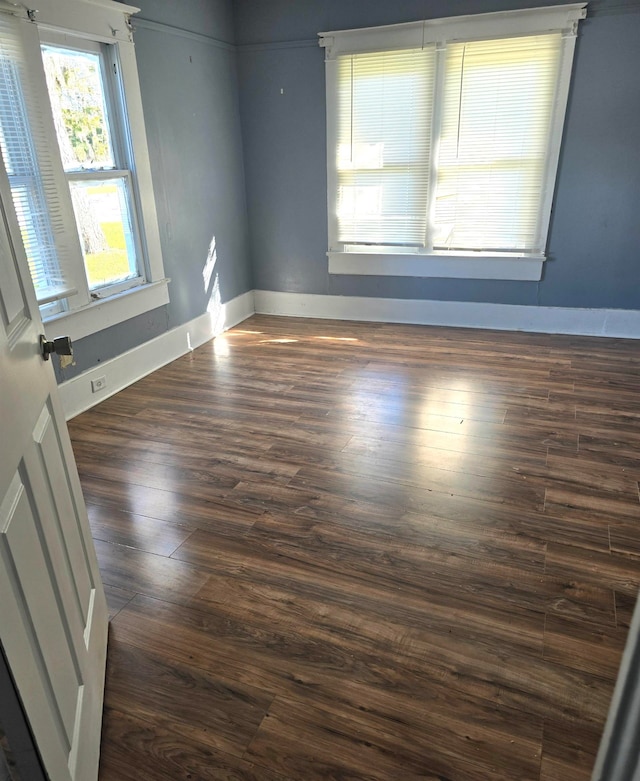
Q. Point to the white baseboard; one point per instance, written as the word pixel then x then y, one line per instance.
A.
pixel 622 323
pixel 134 364
pixel 125 369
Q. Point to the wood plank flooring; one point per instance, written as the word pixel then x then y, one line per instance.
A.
pixel 363 551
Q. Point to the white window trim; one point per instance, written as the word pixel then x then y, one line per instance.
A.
pixel 107 21
pixel 464 265
pixel 106 312
pixel 473 265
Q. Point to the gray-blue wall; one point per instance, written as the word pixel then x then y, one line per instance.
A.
pixel 594 243
pixel 190 100
pixel 233 158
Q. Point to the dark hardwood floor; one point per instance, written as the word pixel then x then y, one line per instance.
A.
pixel 361 551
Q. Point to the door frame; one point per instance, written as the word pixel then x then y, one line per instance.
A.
pixel 15 726
pixel 618 756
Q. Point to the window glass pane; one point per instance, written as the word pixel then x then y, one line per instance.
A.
pixel 79 108
pixel 496 123
pixel 106 235
pixel 383 155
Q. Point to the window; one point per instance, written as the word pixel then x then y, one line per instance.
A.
pixel 74 148
pixel 443 142
pixel 89 130
pixel 30 166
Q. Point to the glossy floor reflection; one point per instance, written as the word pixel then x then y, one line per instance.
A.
pixel 348 550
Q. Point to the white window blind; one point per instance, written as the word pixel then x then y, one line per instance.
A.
pixel 383 152
pixel 496 119
pixel 30 161
pixel 443 141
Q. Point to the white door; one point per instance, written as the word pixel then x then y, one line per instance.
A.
pixel 53 616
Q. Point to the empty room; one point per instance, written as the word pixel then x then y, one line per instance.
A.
pixel 320 390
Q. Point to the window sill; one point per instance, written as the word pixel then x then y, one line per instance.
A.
pixel 477 265
pixel 106 312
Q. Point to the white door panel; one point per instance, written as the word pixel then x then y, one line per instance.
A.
pixel 53 616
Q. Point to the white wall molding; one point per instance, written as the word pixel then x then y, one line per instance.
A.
pixel 133 365
pixel 148 24
pixel 307 43
pixel 504 317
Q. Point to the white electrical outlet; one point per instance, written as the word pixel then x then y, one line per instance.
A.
pixel 100 383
